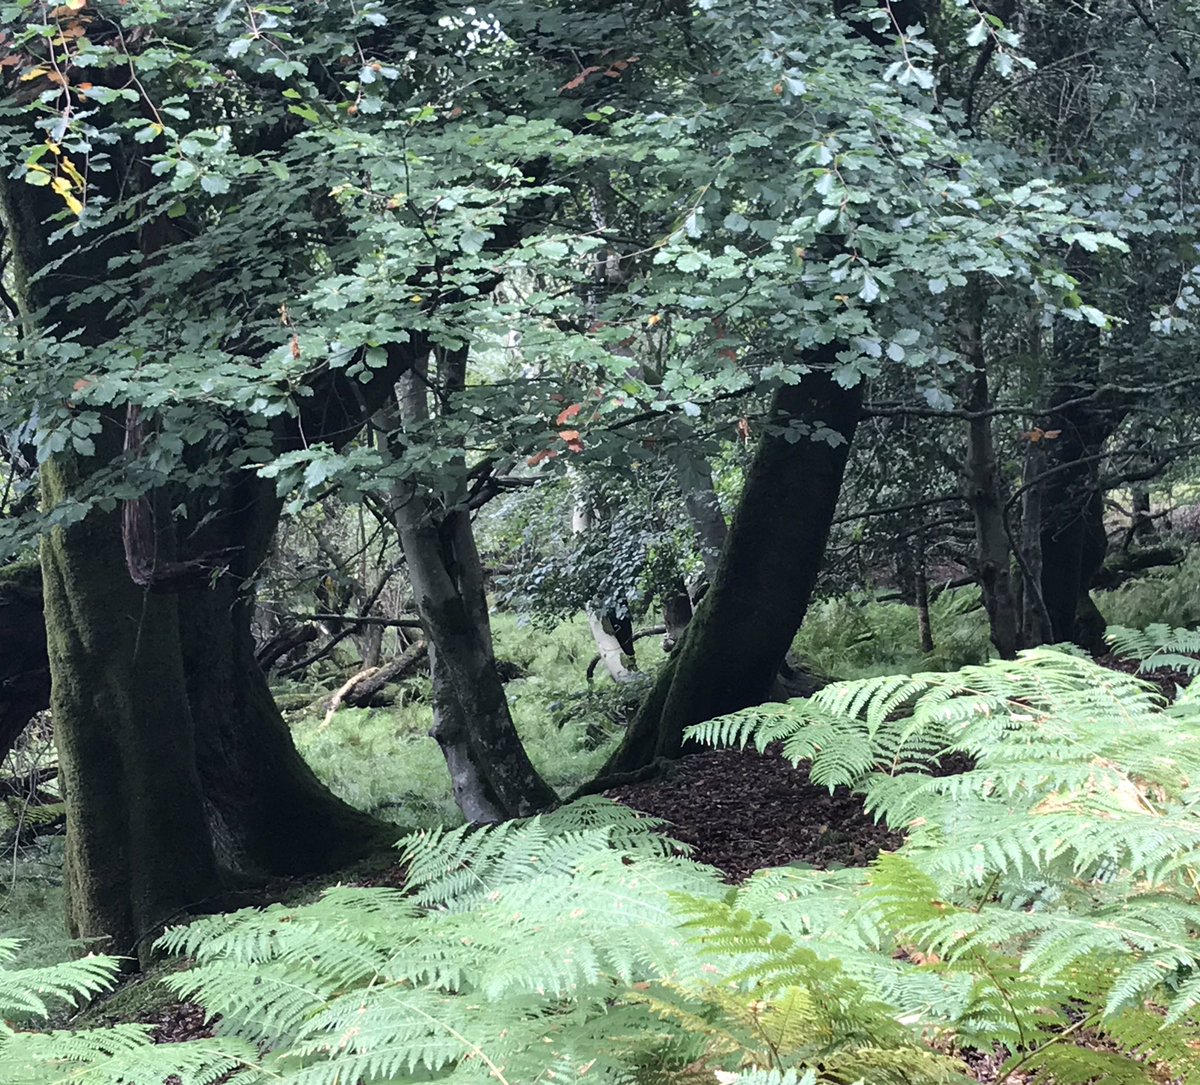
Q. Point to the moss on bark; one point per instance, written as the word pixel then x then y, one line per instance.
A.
pixel 268 811
pixel 138 849
pixel 744 625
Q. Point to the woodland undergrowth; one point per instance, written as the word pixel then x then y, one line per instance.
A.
pixel 1044 902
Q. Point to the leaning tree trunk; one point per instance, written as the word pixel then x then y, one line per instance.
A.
pixel 268 811
pixel 24 668
pixel 490 772
pixel 138 849
pixel 491 775
pixel 743 627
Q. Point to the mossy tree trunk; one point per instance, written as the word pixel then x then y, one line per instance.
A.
pixel 268 811
pixel 167 734
pixel 742 629
pixel 138 849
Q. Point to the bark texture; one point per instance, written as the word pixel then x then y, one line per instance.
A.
pixel 491 775
pixel 170 747
pixel 732 650
pixel 983 493
pixel 269 812
pixel 1073 537
pixel 138 850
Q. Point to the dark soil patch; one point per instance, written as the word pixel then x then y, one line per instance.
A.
pixel 1167 679
pixel 181 1022
pixel 742 810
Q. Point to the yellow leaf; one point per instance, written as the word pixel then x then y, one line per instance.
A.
pixel 70 170
pixel 63 187
pixel 33 73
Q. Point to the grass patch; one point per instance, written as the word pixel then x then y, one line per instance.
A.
pixel 382 760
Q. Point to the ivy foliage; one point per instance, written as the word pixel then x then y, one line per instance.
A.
pixel 583 944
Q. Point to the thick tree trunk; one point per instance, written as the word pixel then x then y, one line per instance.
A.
pixel 1074 540
pixel 141 764
pixel 742 629
pixel 268 811
pixel 24 668
pixel 138 849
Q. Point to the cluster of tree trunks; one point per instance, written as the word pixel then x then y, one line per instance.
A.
pixel 178 772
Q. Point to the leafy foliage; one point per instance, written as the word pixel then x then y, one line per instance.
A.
pixel 1157 647
pixel 580 942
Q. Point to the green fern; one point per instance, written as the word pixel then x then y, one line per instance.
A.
pixel 1058 877
pixel 1158 647
pixel 1046 900
pixel 124 1055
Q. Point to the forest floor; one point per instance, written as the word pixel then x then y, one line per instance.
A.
pixel 739 810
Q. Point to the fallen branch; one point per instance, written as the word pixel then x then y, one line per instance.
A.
pixel 362 687
pixel 286 641
pixel 653 631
